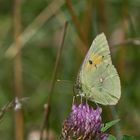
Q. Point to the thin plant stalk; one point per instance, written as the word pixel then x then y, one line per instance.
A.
pixel 52 84
pixel 77 23
pixel 19 132
pixel 117 127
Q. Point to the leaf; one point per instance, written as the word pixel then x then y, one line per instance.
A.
pixel 109 124
pixel 111 137
pixel 126 137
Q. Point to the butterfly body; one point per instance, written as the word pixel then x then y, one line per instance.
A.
pixel 98 80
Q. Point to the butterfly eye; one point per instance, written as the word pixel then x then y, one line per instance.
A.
pixel 90 62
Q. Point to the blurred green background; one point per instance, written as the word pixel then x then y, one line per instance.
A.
pixel 28 74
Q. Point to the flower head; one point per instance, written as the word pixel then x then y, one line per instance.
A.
pixel 83 123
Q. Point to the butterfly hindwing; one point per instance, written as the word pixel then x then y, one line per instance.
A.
pixel 98 77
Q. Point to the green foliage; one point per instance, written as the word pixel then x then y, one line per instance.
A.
pixel 125 137
pixel 111 137
pixel 109 124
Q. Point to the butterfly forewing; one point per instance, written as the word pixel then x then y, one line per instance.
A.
pixel 99 48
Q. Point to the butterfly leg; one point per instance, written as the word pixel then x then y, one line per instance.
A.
pixel 73 100
pixel 86 101
pixel 81 99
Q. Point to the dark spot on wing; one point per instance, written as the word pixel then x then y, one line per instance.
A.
pixel 90 62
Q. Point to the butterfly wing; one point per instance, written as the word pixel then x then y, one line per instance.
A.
pixel 98 77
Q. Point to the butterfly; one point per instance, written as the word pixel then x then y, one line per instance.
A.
pixel 98 79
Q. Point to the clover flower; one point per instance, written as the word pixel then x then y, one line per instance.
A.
pixel 83 123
